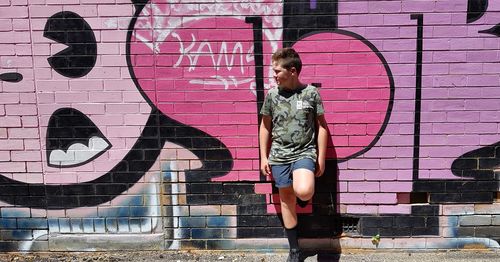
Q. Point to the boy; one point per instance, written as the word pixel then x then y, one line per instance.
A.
pixel 291 116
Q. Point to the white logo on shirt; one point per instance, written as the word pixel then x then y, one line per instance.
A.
pixel 303 105
pixel 299 105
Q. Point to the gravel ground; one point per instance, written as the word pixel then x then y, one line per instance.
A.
pixel 358 256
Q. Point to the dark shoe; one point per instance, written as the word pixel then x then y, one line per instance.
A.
pixel 301 202
pixel 295 255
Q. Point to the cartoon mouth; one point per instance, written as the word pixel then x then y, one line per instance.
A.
pixel 100 190
pixel 73 139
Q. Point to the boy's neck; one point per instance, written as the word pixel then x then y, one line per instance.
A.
pixel 295 86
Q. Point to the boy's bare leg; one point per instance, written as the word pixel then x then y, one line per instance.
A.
pixel 303 188
pixel 288 201
pixel 303 183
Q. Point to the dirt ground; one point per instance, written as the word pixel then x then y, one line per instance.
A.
pixel 181 256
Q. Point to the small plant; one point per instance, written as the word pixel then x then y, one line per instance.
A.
pixel 376 239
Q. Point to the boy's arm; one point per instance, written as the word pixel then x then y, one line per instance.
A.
pixel 322 143
pixel 264 139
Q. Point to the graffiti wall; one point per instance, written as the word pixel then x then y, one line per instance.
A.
pixel 133 124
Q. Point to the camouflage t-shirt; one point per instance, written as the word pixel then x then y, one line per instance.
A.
pixel 293 116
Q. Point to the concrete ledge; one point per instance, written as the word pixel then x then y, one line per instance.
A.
pixel 106 242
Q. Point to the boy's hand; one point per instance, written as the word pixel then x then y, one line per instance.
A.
pixel 320 168
pixel 265 168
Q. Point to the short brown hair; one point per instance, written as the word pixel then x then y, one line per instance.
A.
pixel 288 58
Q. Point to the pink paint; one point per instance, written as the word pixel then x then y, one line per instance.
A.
pixel 263 188
pixel 363 67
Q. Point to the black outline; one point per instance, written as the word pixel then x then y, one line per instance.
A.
pixel 76 49
pixel 126 173
pixel 495 30
pixel 119 179
pixel 476 9
pixel 391 83
pixel 256 21
pixel 418 94
pixel 89 125
pixel 216 158
pixel 259 60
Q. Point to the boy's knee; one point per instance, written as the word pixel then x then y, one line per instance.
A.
pixel 304 193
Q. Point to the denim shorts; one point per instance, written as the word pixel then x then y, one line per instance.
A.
pixel 282 174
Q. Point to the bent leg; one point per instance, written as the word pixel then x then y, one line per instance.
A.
pixel 303 183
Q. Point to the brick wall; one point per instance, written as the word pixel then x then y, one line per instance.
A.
pixel 133 124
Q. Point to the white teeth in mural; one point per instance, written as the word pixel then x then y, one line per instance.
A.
pixel 78 153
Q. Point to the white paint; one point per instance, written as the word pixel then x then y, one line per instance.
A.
pixel 78 153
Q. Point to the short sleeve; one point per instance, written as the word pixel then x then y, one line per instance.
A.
pixel 266 107
pixel 319 103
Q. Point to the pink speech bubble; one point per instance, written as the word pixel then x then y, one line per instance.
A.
pixel 355 87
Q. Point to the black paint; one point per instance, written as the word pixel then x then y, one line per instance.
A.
pixel 301 18
pixel 139 3
pixel 259 59
pixel 418 93
pixel 215 157
pixel 11 77
pixel 492 31
pixel 259 68
pixel 70 29
pixel 115 182
pixel 477 183
pixel 68 126
pixel 476 9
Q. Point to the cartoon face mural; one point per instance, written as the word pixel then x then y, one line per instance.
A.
pixel 71 115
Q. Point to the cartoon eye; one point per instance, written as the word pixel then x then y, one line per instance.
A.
pixel 70 29
pixel 476 9
pixel 11 77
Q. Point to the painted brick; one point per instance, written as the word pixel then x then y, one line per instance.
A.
pixel 8 223
pixel 396 186
pixel 221 221
pixel 476 220
pixel 362 209
pixel 263 188
pixel 228 210
pixel 352 198
pixel 199 233
pixel 380 198
pixel 204 210
pixel 459 114
pixel 13 166
pixel 487 208
pixel 458 210
pixel 192 222
pixel 17 234
pixel 395 209
pixel 364 187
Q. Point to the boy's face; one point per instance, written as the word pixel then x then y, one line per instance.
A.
pixel 284 77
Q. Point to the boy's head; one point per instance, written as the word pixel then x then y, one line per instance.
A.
pixel 288 58
pixel 286 67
